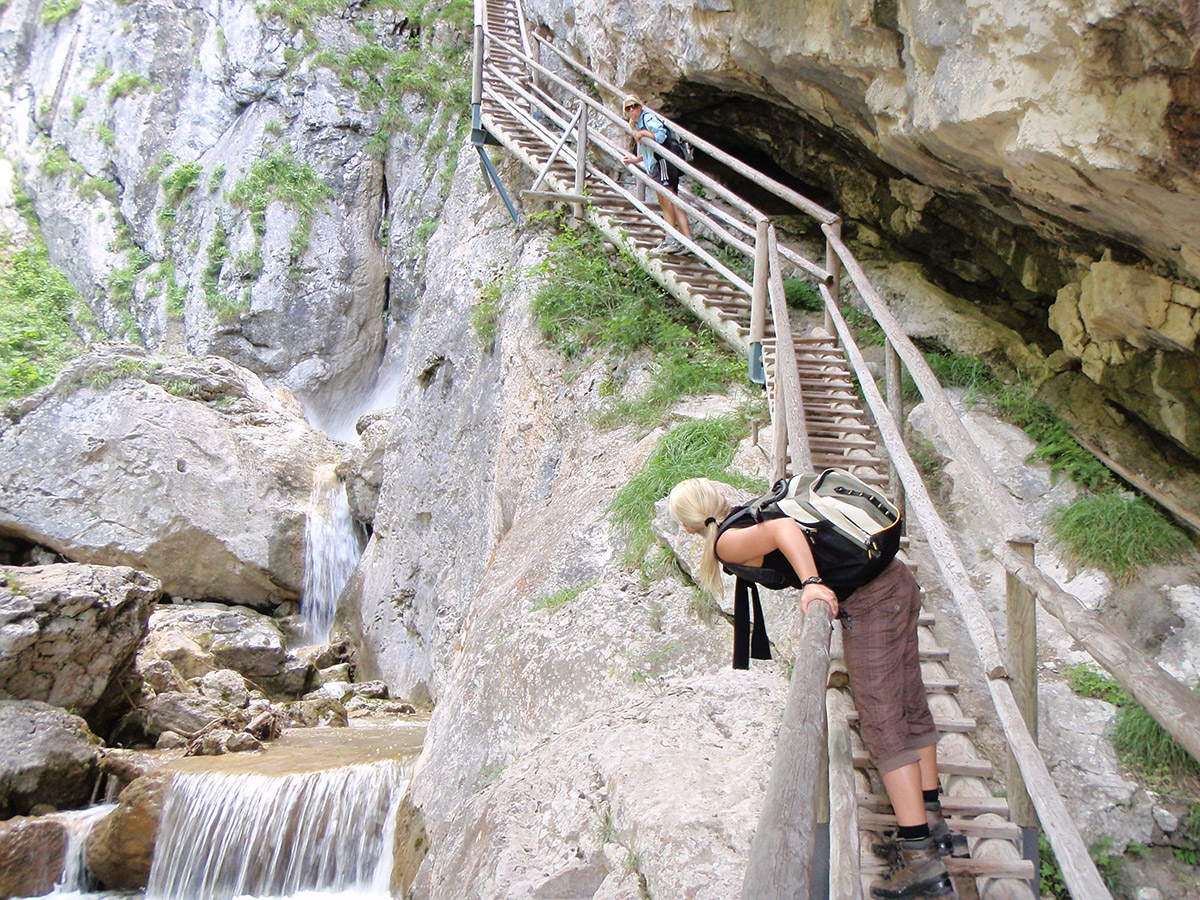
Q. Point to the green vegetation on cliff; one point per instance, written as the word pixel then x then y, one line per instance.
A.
pixel 593 301
pixel 36 306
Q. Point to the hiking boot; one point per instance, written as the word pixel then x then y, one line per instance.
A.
pixel 667 245
pixel 947 843
pixel 916 872
pixel 681 248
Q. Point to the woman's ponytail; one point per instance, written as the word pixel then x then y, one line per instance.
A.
pixel 697 505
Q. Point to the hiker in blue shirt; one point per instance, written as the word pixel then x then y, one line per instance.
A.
pixel 646 124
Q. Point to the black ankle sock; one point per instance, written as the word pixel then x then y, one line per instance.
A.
pixel 932 796
pixel 913 832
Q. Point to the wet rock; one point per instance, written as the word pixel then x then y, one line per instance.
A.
pixel 121 845
pixel 47 755
pixel 127 766
pixel 266 725
pixel 66 629
pixel 159 480
pixel 170 740
pixel 292 680
pixel 371 690
pixel 227 685
pixel 184 713
pixel 322 656
pixel 31 856
pixel 338 690
pixel 314 711
pixel 242 742
pixel 213 743
pixel 339 672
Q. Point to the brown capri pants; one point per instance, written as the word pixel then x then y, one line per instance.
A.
pixel 883 661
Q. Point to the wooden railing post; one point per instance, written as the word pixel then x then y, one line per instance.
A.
pixel 779 450
pixel 895 403
pixel 758 302
pixel 581 148
pixel 781 854
pixel 833 265
pixel 1021 653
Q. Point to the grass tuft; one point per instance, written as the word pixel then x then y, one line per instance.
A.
pixel 281 177
pixel 590 302
pixel 56 10
pixel 699 448
pixel 1116 533
pixel 560 598
pixel 1142 745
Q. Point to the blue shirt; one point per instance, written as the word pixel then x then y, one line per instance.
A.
pixel 652 123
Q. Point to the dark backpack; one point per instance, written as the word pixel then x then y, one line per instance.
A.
pixel 852 528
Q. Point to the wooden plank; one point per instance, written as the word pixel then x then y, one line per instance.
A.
pixel 781 853
pixel 951 806
pixel 990 829
pixel 1021 869
pixel 972 768
pixel 845 877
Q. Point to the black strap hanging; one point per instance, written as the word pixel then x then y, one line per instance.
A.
pixel 748 641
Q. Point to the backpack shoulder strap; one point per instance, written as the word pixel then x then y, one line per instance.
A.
pixel 749 641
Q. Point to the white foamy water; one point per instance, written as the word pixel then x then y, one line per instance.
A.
pixel 332 546
pixel 320 833
pixel 75 878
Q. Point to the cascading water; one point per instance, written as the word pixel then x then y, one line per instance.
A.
pixel 75 878
pixel 333 543
pixel 223 836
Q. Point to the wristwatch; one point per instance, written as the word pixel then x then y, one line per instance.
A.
pixel 816 579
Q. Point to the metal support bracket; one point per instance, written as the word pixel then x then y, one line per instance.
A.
pixel 479 137
pixel 758 373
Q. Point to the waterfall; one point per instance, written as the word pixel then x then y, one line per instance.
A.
pixel 223 836
pixel 332 545
pixel 75 878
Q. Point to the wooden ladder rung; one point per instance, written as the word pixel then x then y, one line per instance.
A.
pixel 951 806
pixel 1020 869
pixel 974 768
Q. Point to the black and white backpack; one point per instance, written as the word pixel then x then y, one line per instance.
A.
pixel 852 528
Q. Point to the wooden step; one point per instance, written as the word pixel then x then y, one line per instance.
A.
pixel 1004 831
pixel 951 806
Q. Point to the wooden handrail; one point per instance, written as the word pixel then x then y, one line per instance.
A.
pixel 802 203
pixel 781 853
pixel 1079 871
pixel 786 371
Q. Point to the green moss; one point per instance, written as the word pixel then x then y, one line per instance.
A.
pixel 106 135
pixel 281 177
pixel 485 315
pixel 36 306
pixel 56 162
pixel 101 75
pixel 560 598
pixel 1116 533
pixel 54 11
pixel 215 177
pixel 92 188
pixel 78 105
pixel 181 181
pixel 122 369
pixel 128 83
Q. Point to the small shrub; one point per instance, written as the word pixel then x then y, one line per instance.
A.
pixel 281 177
pixel 802 295
pixel 128 83
pixel 1050 877
pixel 698 448
pixel 181 181
pixel 485 316
pixel 1116 533
pixel 106 135
pixel 78 105
pixel 56 10
pixel 101 75
pixel 1108 864
pixel 215 178
pixel 55 162
pixel 560 598
pixel 1087 680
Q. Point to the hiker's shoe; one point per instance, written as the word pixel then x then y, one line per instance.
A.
pixel 917 872
pixel 667 245
pixel 947 843
pixel 681 249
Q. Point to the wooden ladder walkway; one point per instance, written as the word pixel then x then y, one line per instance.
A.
pixel 840 434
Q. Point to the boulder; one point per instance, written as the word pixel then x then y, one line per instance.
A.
pixel 191 470
pixel 121 846
pixel 47 756
pixel 292 680
pixel 314 711
pixel 227 685
pixel 198 638
pixel 31 856
pixel 65 630
pixel 184 713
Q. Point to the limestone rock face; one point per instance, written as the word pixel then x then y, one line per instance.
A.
pixel 190 470
pixel 66 629
pixel 47 755
pixel 189 136
pixel 1134 334
pixel 121 846
pixel 31 856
